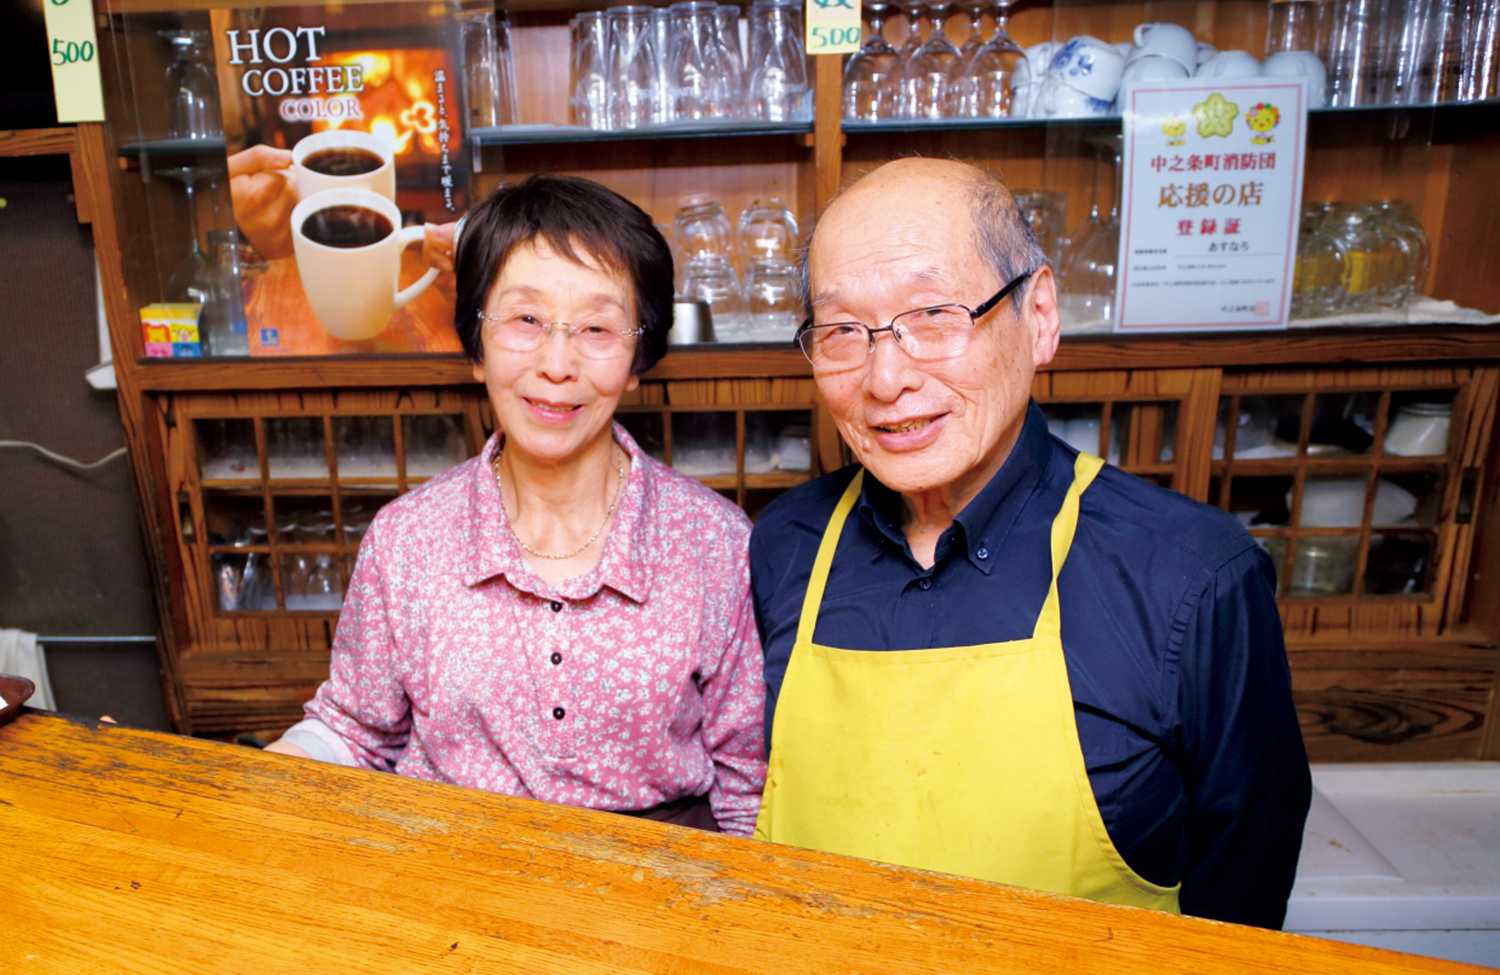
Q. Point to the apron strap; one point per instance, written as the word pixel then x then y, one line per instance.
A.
pixel 819 578
pixel 1049 621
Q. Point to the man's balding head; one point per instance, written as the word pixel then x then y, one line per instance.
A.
pixel 960 195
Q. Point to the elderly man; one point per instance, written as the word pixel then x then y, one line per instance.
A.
pixel 988 654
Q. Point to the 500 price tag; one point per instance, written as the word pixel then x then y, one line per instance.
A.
pixel 833 26
pixel 73 49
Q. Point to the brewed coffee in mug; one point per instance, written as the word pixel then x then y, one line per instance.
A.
pixel 348 244
pixel 343 159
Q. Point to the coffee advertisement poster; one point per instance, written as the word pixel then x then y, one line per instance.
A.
pixel 343 130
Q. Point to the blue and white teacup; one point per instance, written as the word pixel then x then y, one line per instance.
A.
pixel 1090 65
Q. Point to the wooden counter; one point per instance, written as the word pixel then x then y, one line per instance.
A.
pixel 131 851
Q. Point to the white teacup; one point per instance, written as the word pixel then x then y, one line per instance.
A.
pixel 1229 64
pixel 326 160
pixel 1126 49
pixel 1206 51
pixel 1300 64
pixel 1153 68
pixel 1089 65
pixel 351 277
pixel 1057 99
pixel 1022 86
pixel 1169 41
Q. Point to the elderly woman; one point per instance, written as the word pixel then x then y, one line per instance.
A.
pixel 561 617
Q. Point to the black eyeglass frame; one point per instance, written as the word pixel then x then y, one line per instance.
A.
pixel 974 315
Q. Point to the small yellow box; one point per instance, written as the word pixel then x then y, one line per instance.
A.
pixel 174 326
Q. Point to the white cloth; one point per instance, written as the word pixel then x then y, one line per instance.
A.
pixel 22 656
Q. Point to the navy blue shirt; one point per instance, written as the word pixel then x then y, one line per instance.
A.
pixel 1173 644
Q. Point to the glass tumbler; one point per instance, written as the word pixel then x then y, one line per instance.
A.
pixel 767 232
pixel 1481 72
pixel 777 83
pixel 711 278
pixel 701 229
pixel 481 66
pixel 190 89
pixel 1044 212
pixel 1359 62
pixel 590 96
pixel 698 68
pixel 772 301
pixel 634 67
pixel 1292 25
pixel 727 20
pixel 1426 48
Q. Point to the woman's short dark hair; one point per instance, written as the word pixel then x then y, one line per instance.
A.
pixel 570 214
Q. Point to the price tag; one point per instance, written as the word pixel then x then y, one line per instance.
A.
pixel 73 49
pixel 833 26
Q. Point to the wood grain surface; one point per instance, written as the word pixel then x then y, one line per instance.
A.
pixel 132 851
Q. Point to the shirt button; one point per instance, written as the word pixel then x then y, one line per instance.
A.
pixel 556 607
pixel 559 713
pixel 556 658
pixel 925 584
pixel 983 553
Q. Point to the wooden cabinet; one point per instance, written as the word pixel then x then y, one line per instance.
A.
pixel 1392 649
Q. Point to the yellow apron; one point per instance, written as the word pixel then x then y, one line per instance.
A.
pixel 959 759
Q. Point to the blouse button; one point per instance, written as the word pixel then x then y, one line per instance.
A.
pixel 556 658
pixel 556 607
pixel 558 713
pixel 925 584
pixel 983 554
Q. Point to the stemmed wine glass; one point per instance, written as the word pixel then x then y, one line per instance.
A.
pixel 991 66
pixel 871 88
pixel 933 77
pixel 192 278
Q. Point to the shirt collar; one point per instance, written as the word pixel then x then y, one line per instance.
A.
pixel 624 564
pixel 985 521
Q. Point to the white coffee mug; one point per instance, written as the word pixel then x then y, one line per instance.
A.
pixel 1229 64
pixel 1057 99
pixel 308 181
pixel 1300 64
pixel 1089 65
pixel 352 288
pixel 1169 41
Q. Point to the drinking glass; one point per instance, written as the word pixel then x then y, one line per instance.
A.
pixel 871 88
pixel 773 301
pixel 767 232
pixel 778 80
pixel 727 23
pixel 701 229
pixel 1358 63
pixel 711 278
pixel 1292 25
pixel 189 88
pixel 661 25
pixel 634 66
pixel 1044 213
pixel 481 65
pixel 987 75
pixel 1481 70
pixel 698 75
pixel 1426 51
pixel 222 323
pixel 1318 281
pixel 590 97
pixel 934 76
pixel 1377 273
pixel 1397 217
pixel 191 280
pixel 1089 268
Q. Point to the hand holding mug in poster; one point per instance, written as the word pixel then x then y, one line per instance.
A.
pixel 348 244
pixel 343 159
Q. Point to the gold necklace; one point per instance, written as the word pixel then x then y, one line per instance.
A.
pixel 619 484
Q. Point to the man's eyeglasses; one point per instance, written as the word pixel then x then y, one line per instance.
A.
pixel 594 340
pixel 923 333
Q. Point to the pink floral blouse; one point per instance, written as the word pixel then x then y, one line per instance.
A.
pixel 634 685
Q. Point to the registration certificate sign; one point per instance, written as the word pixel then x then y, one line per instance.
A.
pixel 1211 190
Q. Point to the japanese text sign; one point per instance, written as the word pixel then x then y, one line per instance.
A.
pixel 73 49
pixel 833 26
pixel 1211 190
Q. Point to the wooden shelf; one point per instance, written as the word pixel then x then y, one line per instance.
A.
pixel 513 135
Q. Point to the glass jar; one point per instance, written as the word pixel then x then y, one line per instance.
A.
pixel 1318 283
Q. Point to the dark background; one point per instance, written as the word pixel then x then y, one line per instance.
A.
pixel 71 559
